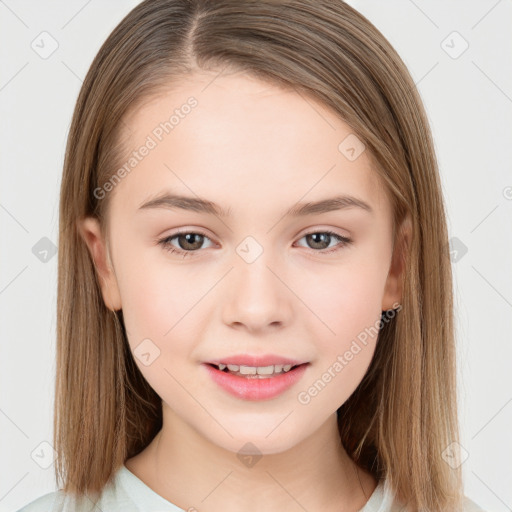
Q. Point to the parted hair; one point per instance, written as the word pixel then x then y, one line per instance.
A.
pixel 403 414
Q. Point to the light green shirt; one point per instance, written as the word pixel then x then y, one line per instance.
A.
pixel 127 493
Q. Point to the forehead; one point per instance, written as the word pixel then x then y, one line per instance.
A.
pixel 242 142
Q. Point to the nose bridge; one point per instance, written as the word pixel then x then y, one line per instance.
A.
pixel 258 298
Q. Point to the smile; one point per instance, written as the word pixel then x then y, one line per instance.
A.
pixel 255 382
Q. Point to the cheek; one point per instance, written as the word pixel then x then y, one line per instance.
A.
pixel 153 299
pixel 347 312
pixel 346 323
pixel 344 298
pixel 156 320
pixel 166 317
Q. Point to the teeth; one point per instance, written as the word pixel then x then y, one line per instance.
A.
pixel 253 370
pixel 250 370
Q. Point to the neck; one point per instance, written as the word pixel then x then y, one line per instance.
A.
pixel 191 471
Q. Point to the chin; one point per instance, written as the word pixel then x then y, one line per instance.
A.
pixel 256 442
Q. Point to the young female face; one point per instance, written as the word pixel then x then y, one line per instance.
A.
pixel 258 281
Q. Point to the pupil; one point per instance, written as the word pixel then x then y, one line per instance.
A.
pixel 316 236
pixel 189 239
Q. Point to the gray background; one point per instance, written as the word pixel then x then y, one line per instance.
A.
pixel 468 97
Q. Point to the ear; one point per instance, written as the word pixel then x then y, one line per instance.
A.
pixel 89 229
pixel 393 290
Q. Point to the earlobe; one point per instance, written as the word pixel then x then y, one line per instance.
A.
pixel 393 290
pixel 90 231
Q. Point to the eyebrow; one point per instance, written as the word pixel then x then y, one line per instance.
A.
pixel 195 204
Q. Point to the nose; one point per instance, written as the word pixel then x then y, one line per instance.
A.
pixel 256 296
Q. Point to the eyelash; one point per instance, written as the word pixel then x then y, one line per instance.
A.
pixel 166 242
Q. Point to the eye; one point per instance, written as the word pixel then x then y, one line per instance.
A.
pixel 188 241
pixel 319 239
pixel 191 241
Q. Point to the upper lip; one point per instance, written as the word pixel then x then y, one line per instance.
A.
pixel 253 360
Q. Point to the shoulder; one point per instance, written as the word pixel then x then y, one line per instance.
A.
pixel 385 501
pixel 471 506
pixel 111 500
pixel 124 493
pixel 51 502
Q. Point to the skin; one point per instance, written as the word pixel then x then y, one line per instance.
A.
pixel 256 149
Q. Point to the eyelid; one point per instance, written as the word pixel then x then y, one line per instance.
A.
pixel 185 231
pixel 343 241
pixel 315 228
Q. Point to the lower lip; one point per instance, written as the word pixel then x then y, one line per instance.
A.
pixel 255 388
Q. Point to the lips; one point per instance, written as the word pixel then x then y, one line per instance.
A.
pixel 255 387
pixel 255 361
pixel 246 371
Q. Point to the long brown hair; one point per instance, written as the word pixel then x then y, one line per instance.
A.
pixel 403 415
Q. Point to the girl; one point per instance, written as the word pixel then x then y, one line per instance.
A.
pixel 254 295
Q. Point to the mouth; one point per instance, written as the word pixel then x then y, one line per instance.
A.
pixel 255 382
pixel 256 372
